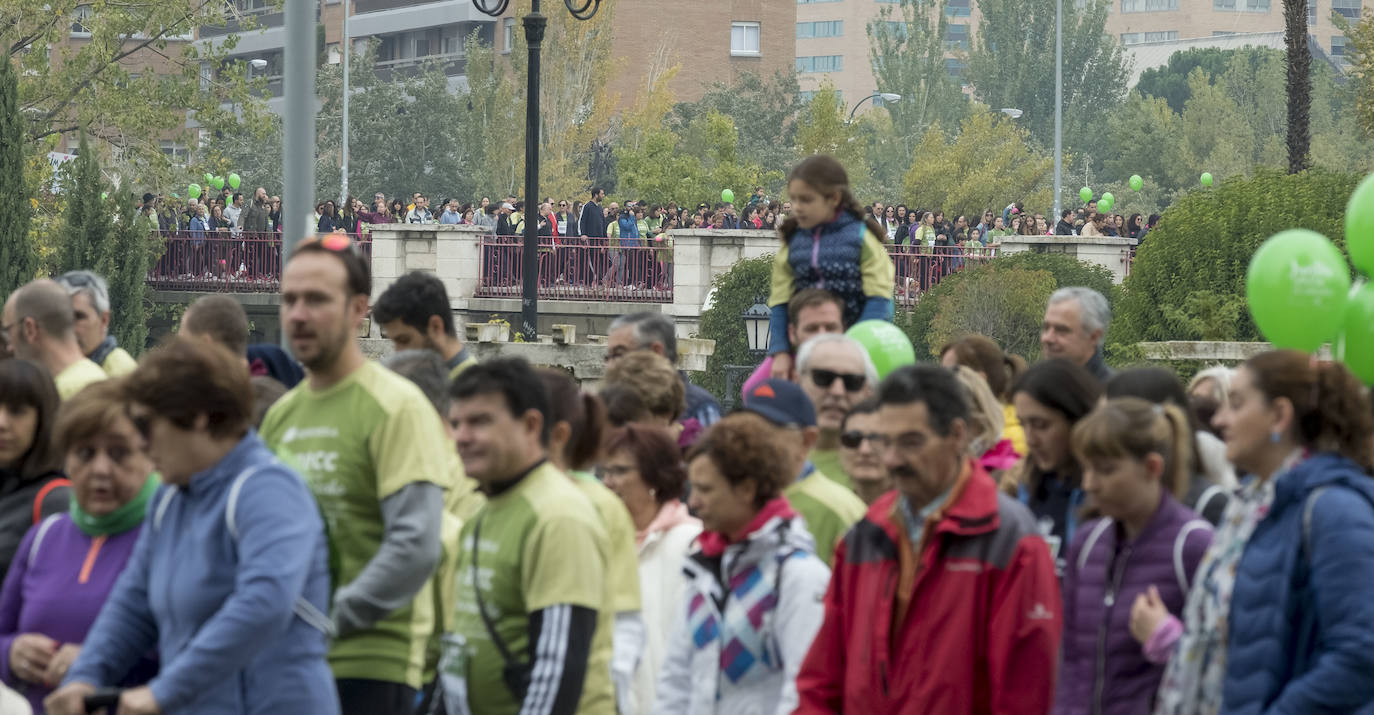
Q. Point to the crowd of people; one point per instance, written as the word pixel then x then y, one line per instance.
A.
pixel 221 527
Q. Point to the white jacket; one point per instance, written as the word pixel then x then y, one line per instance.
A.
pixel 691 682
pixel 661 581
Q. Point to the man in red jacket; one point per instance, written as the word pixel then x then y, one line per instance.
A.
pixel 943 598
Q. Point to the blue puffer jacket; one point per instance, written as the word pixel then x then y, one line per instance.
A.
pixel 1302 626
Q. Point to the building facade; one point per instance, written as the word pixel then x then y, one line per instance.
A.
pixel 1143 21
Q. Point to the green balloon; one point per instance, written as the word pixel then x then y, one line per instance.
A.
pixel 1355 346
pixel 1111 200
pixel 234 181
pixel 1359 226
pixel 1103 205
pixel 1206 179
pixel 209 178
pixel 1298 285
pixel 1136 182
pixel 1086 194
pixel 887 345
pixel 727 196
pixel 217 182
pixel 193 191
pixel 104 196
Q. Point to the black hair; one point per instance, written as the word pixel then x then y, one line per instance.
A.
pixel 866 407
pixel 511 378
pixel 412 299
pixel 1159 386
pixel 358 273
pixel 1063 386
pixel 936 387
pixel 28 384
pixel 1065 212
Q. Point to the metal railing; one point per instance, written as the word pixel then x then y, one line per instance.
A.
pixel 220 262
pixel 920 268
pixel 593 269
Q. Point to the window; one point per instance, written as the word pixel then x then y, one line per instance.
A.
pixel 508 30
pixel 1136 38
pixel 888 2
pixel 808 2
pixel 1221 33
pixel 1338 48
pixel 174 151
pixel 1148 5
pixel 958 8
pixel 1241 5
pixel 80 15
pixel 956 68
pixel 808 94
pixel 1348 9
pixel 744 39
pixel 820 63
pixel 956 36
pixel 1311 12
pixel 808 30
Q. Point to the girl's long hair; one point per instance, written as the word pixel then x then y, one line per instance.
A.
pixel 827 176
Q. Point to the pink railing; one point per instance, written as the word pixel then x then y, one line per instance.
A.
pixel 218 262
pixel 920 268
pixel 596 269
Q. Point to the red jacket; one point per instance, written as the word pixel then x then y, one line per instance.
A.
pixel 982 631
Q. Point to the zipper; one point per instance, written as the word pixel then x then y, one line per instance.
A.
pixel 816 257
pixel 1117 571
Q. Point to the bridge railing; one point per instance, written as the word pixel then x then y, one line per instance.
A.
pixel 221 262
pixel 591 269
pixel 920 268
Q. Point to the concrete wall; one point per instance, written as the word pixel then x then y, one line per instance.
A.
pixel 1114 254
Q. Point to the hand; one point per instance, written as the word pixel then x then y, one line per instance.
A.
pixel 139 701
pixel 782 367
pixel 1147 613
pixel 70 699
pixel 29 656
pixel 61 663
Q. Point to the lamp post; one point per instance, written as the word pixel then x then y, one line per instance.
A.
pixel 1058 103
pixel 298 142
pixel 756 336
pixel 885 96
pixel 535 23
pixel 347 50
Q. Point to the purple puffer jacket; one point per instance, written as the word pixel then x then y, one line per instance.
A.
pixel 1104 669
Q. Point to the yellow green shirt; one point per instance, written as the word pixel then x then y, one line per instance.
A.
pixel 1013 430
pixel 119 363
pixel 357 443
pixel 622 577
pixel 77 376
pixel 828 509
pixel 542 544
pixel 828 463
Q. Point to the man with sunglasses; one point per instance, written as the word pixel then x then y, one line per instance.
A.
pixel 827 508
pixel 836 373
pixel 943 598
pixel 373 450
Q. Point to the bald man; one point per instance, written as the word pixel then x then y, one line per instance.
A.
pixel 39 321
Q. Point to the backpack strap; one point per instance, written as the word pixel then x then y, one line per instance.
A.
pixel 1207 496
pixel 1180 541
pixel 43 493
pixel 162 505
pixel 1091 542
pixel 1307 510
pixel 38 538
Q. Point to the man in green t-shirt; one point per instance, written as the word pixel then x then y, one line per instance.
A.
pixel 372 449
pixel 834 370
pixel 532 628
pixel 827 508
pixel 414 313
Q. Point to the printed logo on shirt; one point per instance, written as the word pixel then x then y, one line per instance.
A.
pixel 1040 613
pixel 324 432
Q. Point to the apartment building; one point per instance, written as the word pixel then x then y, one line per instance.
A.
pixel 1143 21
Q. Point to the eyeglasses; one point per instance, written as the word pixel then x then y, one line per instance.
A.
pixel 855 438
pixel 825 378
pixel 337 241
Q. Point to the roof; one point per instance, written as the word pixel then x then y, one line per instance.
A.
pixel 1148 55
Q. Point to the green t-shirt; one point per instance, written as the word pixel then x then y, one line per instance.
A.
pixel 119 363
pixel 622 577
pixel 77 376
pixel 828 462
pixel 357 443
pixel 828 508
pixel 542 544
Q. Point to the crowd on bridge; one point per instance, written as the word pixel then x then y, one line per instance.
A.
pixel 226 527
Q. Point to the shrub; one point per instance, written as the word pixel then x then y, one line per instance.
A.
pixel 735 292
pixel 1188 279
pixel 1005 303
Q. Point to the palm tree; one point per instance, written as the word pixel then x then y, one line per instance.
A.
pixel 1299 83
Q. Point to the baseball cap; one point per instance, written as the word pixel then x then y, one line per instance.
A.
pixel 507 206
pixel 781 402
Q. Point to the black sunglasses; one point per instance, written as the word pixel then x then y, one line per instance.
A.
pixel 825 378
pixel 854 438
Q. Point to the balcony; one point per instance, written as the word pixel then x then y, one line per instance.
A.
pixel 453 64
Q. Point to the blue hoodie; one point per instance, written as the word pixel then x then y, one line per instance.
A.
pixel 1302 625
pixel 222 611
pixel 629 230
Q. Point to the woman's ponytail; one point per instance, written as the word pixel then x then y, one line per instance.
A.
pixel 1343 422
pixel 1178 457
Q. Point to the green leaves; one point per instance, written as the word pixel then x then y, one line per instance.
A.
pixel 989 163
pixel 18 254
pixel 733 292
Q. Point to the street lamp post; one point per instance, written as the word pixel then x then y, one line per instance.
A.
pixel 535 23
pixel 885 96
pixel 1058 104
pixel 757 337
pixel 347 45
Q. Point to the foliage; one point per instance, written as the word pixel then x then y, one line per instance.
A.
pixel 18 255
pixel 1359 50
pixel 1004 303
pixel 989 161
pixel 1012 65
pixel 1203 244
pixel 88 226
pixel 907 52
pixel 824 128
pixel 763 110
pixel 732 293
pixel 1170 82
pixel 124 262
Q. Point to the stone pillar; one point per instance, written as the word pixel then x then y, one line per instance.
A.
pixel 1110 252
pixel 449 252
pixel 699 256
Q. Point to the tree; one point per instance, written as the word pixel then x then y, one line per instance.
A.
pixel 1170 82
pixel 131 83
pixel 1005 304
pixel 124 262
pixel 88 225
pixel 18 255
pixel 733 292
pixel 1148 136
pixel 1299 84
pixel 824 129
pixel 1359 50
pixel 987 164
pixel 1012 65
pixel 908 57
pixel 764 111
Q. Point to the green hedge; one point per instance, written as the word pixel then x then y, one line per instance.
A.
pixel 1188 279
pixel 735 292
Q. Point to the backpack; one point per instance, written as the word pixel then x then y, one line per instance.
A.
pixel 303 608
pixel 1180 541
